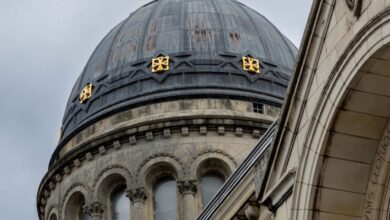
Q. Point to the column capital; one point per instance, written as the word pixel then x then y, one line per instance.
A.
pixel 137 195
pixel 187 186
pixel 94 209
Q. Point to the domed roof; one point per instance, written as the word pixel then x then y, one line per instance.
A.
pixel 205 41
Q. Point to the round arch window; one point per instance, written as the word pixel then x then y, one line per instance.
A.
pixel 165 200
pixel 82 215
pixel 120 205
pixel 210 184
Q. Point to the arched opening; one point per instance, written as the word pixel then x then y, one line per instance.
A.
pixel 83 216
pixel 111 192
pixel 53 217
pixel 74 207
pixel 351 153
pixel 212 174
pixel 165 199
pixel 210 184
pixel 120 205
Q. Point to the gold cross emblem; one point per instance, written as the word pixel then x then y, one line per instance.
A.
pixel 251 65
pixel 160 64
pixel 86 93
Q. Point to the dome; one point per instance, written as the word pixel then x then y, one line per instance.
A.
pixel 205 40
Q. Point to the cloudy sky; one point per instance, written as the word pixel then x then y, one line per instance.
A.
pixel 44 45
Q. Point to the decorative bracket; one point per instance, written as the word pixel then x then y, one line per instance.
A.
pixel 86 93
pixel 251 65
pixel 160 64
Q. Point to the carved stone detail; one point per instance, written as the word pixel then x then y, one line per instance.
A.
pixel 132 140
pixel 157 156
pixel 252 212
pixel 189 186
pixel 67 170
pixel 203 130
pixel 216 152
pixel 149 136
pixel 185 131
pixel 102 150
pixel 167 133
pixel 221 130
pixel 89 156
pixel 94 209
pixel 137 195
pixel 355 6
pixel 117 145
pixel 256 133
pixel 77 163
pixel 259 171
pixel 239 132
pixel 111 167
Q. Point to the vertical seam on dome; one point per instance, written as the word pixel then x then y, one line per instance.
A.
pixel 259 35
pixel 90 58
pixel 221 25
pixel 144 32
pixel 115 38
pixel 282 36
pixel 182 31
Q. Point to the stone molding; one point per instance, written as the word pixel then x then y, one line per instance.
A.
pixel 72 188
pixel 160 155
pixel 96 150
pixel 276 196
pixel 259 172
pixel 216 152
pixel 109 168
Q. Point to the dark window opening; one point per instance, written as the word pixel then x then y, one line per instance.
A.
pixel 258 108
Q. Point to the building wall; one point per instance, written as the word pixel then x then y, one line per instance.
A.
pixel 335 120
pixel 181 139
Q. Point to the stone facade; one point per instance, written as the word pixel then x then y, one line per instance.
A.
pixel 183 139
pixel 327 157
pixel 330 157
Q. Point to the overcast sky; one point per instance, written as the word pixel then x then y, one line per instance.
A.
pixel 44 45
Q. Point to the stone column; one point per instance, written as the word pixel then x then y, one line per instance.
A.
pixel 188 190
pixel 137 197
pixel 95 210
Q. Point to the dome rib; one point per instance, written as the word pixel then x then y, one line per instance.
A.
pixel 113 42
pixel 146 30
pixel 259 35
pixel 221 24
pixel 286 40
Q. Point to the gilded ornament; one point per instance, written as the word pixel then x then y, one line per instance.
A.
pixel 86 93
pixel 160 64
pixel 251 65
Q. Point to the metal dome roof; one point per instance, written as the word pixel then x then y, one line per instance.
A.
pixel 205 40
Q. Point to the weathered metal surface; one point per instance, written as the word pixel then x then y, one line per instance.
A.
pixel 205 40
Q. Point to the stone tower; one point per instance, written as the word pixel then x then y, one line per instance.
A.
pixel 169 104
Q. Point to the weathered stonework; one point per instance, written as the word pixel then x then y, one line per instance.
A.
pixel 98 160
